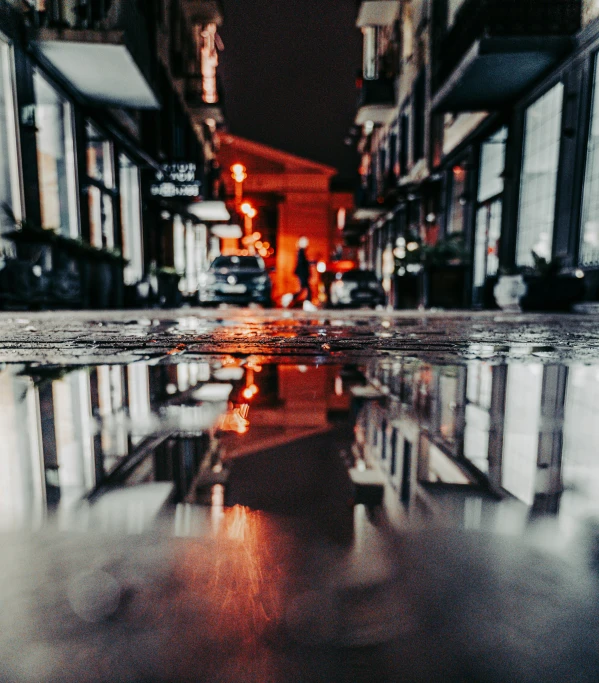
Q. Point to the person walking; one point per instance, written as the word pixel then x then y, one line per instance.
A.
pixel 302 270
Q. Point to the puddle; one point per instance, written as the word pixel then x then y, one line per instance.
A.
pixel 230 505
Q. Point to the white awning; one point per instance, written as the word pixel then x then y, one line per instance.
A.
pixel 367 214
pixel 379 114
pixel 231 232
pixel 209 211
pixel 378 13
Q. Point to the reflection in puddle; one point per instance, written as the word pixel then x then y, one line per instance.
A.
pixel 237 509
pixel 475 445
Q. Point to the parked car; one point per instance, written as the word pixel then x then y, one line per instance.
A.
pixel 236 280
pixel 356 288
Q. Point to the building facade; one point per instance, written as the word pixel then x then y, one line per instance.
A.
pixel 293 197
pixel 110 113
pixel 476 128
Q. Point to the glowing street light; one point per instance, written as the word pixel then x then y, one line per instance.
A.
pixel 239 174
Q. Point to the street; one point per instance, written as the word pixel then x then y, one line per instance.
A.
pixel 194 496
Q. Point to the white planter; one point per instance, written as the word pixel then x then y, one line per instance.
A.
pixel 509 291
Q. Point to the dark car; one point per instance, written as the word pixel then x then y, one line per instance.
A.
pixel 356 288
pixel 236 280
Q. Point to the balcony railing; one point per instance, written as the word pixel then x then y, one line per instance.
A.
pixel 122 16
pixel 479 19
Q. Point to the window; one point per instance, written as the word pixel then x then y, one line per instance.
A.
pixel 370 61
pixel 55 159
pixel 404 143
pixel 539 177
pixel 492 165
pixel 100 177
pixel 457 217
pixel 488 218
pixel 589 250
pixel 419 116
pixel 10 185
pixel 131 219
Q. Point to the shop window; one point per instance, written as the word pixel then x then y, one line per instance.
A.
pixel 10 179
pixel 131 219
pixel 492 166
pixel 457 208
pixel 539 177
pixel 55 159
pixel 100 175
pixel 419 116
pixel 490 206
pixel 404 143
pixel 589 251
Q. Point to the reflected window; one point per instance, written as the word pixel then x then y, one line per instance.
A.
pixel 55 159
pixel 10 178
pixel 538 189
pixel 521 431
pixel 131 220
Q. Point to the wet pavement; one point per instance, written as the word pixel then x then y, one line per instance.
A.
pixel 189 496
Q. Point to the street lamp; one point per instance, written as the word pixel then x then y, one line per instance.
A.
pixel 239 174
pixel 249 213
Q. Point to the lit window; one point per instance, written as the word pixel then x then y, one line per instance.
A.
pixel 539 177
pixel 131 219
pixel 100 172
pixel 55 159
pixel 10 185
pixel 589 253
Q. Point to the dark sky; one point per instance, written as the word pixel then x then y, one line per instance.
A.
pixel 289 75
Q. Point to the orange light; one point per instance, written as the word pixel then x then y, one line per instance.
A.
pixel 248 209
pixel 238 173
pixel 254 389
pixel 248 393
pixel 266 245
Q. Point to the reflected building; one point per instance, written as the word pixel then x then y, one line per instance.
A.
pixel 463 445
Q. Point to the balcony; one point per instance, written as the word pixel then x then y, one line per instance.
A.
pixel 376 101
pixel 496 49
pixel 101 47
pixel 202 111
pixel 204 11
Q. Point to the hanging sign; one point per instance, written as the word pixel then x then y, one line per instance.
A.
pixel 176 180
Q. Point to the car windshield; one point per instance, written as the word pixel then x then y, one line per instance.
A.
pixel 359 276
pixel 238 263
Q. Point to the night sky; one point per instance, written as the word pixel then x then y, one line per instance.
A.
pixel 289 70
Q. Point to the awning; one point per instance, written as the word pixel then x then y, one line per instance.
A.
pixel 368 214
pixel 209 211
pixel 378 13
pixel 230 232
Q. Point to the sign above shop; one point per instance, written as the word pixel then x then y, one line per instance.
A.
pixel 177 180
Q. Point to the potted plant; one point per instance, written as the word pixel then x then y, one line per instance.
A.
pixel 407 281
pixel 551 286
pixel 546 286
pixel 169 295
pixel 446 267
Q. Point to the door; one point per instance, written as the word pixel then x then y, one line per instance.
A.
pixel 486 246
